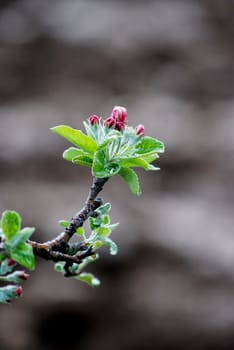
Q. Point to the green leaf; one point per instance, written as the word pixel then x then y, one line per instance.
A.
pixel 112 168
pixel 111 245
pixel 136 162
pixel 83 160
pixel 98 168
pixel 94 222
pixel 101 168
pixel 131 178
pixel 23 254
pixel 64 223
pixel 22 236
pixel 149 144
pixel 11 223
pixel 113 226
pixel 77 137
pixel 58 267
pixel 104 209
pixel 73 152
pixel 106 219
pixel 2 257
pixel 102 232
pixel 108 139
pixel 89 278
pixel 97 244
pixel 80 231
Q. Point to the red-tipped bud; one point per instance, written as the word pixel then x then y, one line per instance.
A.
pixel 10 262
pixel 119 114
pixel 140 130
pixel 19 291
pixel 24 276
pixel 119 126
pixel 94 119
pixel 110 122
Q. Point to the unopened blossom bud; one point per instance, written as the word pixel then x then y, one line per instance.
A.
pixel 119 126
pixel 10 262
pixel 94 119
pixel 19 291
pixel 24 276
pixel 140 130
pixel 119 114
pixel 109 122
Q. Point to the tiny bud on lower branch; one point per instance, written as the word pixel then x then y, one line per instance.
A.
pixel 19 291
pixel 24 276
pixel 10 262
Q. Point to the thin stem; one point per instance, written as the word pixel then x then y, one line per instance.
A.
pixel 57 249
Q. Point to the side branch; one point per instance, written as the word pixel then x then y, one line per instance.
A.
pixel 59 248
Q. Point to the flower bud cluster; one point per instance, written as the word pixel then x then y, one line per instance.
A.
pixel 10 292
pixel 117 120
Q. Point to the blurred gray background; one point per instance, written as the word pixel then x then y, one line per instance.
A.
pixel 170 63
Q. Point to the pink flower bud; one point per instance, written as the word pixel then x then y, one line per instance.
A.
pixel 24 276
pixel 19 291
pixel 140 130
pixel 119 114
pixel 94 119
pixel 119 126
pixel 109 122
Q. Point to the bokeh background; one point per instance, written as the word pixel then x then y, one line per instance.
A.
pixel 170 62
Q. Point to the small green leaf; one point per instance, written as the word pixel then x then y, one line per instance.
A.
pixel 80 231
pixel 104 209
pixel 64 223
pixel 149 144
pixel 94 222
pixel 112 168
pixel 97 244
pixel 101 168
pixel 108 139
pixel 22 236
pixel 89 278
pixel 23 254
pixel 135 162
pixel 98 168
pixel 111 245
pixel 2 257
pixel 102 232
pixel 106 219
pixel 131 178
pixel 91 222
pixel 113 226
pixel 59 266
pixel 83 160
pixel 77 137
pixel 149 157
pixel 11 223
pixel 73 152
